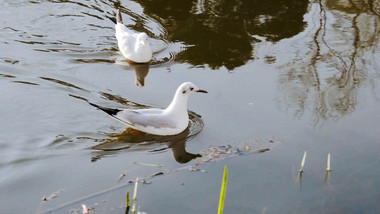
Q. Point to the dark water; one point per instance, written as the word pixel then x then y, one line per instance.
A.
pixel 303 73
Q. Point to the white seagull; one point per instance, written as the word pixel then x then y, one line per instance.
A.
pixel 170 121
pixel 134 46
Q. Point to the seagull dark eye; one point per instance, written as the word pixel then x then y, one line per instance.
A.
pixel 191 88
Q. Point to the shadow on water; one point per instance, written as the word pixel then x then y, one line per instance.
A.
pixel 132 140
pixel 326 76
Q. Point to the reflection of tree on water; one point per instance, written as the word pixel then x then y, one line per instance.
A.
pixel 339 58
pixel 221 31
pixel 216 33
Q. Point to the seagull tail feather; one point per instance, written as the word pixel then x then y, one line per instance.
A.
pixel 110 111
pixel 119 19
pixel 113 19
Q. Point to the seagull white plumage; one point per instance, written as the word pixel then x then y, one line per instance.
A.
pixel 134 46
pixel 170 121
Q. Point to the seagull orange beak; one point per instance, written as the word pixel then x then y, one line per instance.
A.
pixel 202 91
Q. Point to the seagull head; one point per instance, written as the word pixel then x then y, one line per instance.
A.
pixel 178 106
pixel 188 88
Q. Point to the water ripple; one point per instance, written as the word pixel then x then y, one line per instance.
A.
pixel 132 140
pixel 96 17
pixel 60 82
pixel 26 82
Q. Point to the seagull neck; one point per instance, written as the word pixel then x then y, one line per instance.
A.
pixel 178 104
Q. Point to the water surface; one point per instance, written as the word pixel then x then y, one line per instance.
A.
pixel 302 73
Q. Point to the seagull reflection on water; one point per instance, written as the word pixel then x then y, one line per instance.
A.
pixel 133 140
pixel 141 69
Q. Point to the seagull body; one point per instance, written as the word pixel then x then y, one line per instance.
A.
pixel 134 46
pixel 170 121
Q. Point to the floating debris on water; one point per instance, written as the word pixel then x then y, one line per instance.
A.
pixel 246 147
pixel 84 209
pixel 261 150
pixel 158 173
pixel 193 169
pixel 53 195
pixel 212 154
pixel 121 177
pixel 216 153
pixel 146 182
pixel 148 164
